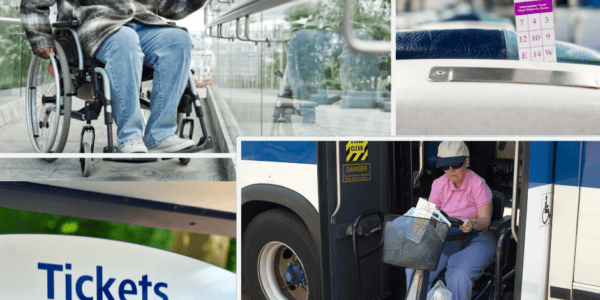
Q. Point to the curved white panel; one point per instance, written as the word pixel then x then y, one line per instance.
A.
pixel 40 266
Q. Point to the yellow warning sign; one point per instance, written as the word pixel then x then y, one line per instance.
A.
pixel 356 172
pixel 357 151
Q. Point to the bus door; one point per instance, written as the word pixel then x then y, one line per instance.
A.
pixel 574 260
pixel 534 219
pixel 355 190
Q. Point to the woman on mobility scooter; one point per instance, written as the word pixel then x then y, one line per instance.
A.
pixel 125 36
pixel 464 195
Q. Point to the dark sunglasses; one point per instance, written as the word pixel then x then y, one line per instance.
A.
pixel 458 166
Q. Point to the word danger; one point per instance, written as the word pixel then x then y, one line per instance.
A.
pixel 126 287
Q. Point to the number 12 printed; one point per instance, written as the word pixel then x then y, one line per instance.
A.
pixel 535 30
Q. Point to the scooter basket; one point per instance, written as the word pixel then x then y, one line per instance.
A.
pixel 413 242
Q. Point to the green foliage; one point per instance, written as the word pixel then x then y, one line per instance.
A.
pixel 16 221
pixel 15 52
pixel 372 15
pixel 332 74
pixel 231 261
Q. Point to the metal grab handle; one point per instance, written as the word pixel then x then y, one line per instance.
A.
pixel 248 38
pixel 220 33
pixel 337 172
pixel 514 200
pixel 421 162
pixel 237 31
pixel 360 46
pixel 12 21
pixel 358 257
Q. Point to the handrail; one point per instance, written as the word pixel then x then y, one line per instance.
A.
pixel 220 33
pixel 515 187
pixel 12 21
pixel 237 31
pixel 360 46
pixel 247 30
pixel 247 8
pixel 421 162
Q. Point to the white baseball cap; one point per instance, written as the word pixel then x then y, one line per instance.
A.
pixel 451 153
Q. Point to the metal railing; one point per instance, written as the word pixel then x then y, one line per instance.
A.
pixel 11 21
pixel 249 7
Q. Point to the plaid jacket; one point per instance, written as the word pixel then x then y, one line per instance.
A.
pixel 99 19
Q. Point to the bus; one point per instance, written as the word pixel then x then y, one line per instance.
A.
pixel 315 206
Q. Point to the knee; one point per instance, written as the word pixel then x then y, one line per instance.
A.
pixel 125 42
pixel 455 276
pixel 181 41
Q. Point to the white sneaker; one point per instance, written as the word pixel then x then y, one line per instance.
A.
pixel 173 144
pixel 134 147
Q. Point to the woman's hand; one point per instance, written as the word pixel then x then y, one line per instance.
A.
pixel 467 226
pixel 45 52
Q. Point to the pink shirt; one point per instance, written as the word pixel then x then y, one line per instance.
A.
pixel 461 203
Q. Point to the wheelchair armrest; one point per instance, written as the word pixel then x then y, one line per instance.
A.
pixel 66 24
pixel 498 226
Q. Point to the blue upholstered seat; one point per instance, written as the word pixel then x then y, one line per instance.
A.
pixel 478 44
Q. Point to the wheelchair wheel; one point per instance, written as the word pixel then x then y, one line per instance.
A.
pixel 48 108
pixel 86 162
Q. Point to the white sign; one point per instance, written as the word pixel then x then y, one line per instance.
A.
pixel 46 266
pixel 535 30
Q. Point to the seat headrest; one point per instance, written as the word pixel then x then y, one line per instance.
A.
pixel 479 44
pixel 451 44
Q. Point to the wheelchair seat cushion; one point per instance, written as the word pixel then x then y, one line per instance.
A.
pixel 479 44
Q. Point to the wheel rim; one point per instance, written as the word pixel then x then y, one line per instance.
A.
pixel 43 118
pixel 274 261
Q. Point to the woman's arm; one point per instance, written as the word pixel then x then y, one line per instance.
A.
pixel 484 217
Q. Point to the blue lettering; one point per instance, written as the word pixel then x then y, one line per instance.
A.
pixel 79 287
pixel 50 268
pixel 145 284
pixel 130 291
pixel 68 283
pixel 103 289
pixel 158 292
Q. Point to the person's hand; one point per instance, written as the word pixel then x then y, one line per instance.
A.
pixel 467 226
pixel 45 52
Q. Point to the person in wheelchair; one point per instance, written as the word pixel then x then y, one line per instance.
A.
pixel 464 195
pixel 125 36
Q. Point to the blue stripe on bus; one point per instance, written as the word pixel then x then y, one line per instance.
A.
pixel 568 164
pixel 590 176
pixel 541 163
pixel 277 151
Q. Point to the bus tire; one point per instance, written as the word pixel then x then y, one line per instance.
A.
pixel 279 237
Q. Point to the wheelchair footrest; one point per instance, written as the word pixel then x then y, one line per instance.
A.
pixel 207 144
pixel 130 160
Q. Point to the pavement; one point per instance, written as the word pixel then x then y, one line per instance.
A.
pixel 14 139
pixel 253 112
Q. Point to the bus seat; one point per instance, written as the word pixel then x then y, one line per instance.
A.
pixel 565 21
pixel 451 43
pixel 478 44
pixel 587 34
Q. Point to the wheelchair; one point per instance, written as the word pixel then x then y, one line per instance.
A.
pixel 51 84
pixel 494 280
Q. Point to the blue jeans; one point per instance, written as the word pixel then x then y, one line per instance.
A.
pixel 168 51
pixel 462 266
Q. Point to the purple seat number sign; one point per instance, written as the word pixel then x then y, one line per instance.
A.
pixel 535 30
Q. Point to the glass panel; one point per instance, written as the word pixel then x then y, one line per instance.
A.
pixel 15 55
pixel 305 81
